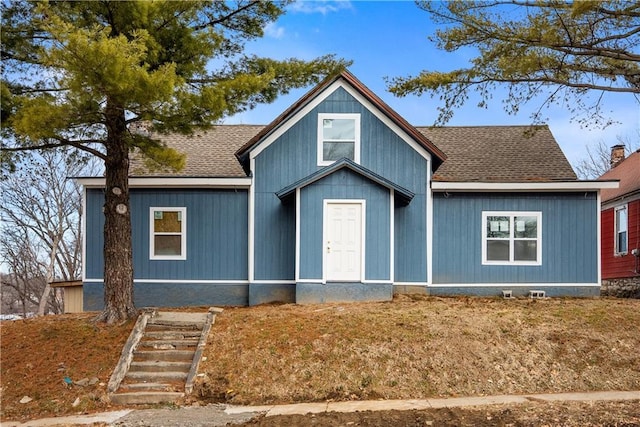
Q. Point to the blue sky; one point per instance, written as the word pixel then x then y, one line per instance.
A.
pixel 389 39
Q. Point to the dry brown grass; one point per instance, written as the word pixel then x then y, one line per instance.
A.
pixel 421 347
pixel 408 348
pixel 37 354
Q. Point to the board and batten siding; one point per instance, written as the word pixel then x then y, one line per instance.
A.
pixel 293 156
pixel 569 238
pixel 217 228
pixel 345 184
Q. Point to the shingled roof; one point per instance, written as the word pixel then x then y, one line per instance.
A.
pixel 499 154
pixel 209 154
pixel 628 172
pixel 474 153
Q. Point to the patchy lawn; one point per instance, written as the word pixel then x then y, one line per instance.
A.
pixel 421 347
pixel 408 348
pixel 38 354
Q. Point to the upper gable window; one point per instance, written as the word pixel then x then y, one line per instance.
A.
pixel 338 137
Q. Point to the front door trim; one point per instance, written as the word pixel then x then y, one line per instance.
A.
pixel 325 233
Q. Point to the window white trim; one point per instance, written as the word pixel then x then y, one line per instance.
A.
pixel 320 148
pixel 182 233
pixel 617 230
pixel 511 239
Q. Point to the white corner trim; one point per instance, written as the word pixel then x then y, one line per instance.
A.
pixel 599 237
pixel 523 186
pixel 297 255
pixel 429 225
pixel 252 215
pixel 83 230
pixel 392 237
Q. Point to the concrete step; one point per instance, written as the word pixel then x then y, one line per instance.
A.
pixel 164 355
pixel 168 344
pixel 172 334
pixel 131 387
pixel 151 377
pixel 158 366
pixel 145 397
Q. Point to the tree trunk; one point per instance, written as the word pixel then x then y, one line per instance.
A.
pixel 118 261
pixel 44 299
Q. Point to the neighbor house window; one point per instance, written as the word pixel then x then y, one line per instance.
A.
pixel 338 137
pixel 621 229
pixel 512 238
pixel 168 234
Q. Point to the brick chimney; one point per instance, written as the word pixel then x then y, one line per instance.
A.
pixel 617 155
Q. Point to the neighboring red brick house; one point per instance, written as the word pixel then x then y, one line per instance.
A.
pixel 620 226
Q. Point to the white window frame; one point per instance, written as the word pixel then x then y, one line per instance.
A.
pixel 512 238
pixel 182 233
pixel 342 116
pixel 617 230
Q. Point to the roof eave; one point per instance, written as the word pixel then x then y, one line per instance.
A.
pixel 451 186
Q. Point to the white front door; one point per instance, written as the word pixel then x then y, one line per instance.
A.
pixel 343 241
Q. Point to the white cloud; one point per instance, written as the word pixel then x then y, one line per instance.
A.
pixel 274 31
pixel 323 7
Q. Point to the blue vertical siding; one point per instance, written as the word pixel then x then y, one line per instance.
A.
pixel 294 156
pixel 94 234
pixel 569 238
pixel 345 184
pixel 217 225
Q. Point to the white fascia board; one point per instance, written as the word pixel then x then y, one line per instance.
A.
pixel 524 186
pixel 177 182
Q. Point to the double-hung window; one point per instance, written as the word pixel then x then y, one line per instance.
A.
pixel 512 238
pixel 621 221
pixel 168 234
pixel 338 137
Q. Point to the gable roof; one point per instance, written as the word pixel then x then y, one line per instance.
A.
pixel 474 153
pixel 208 153
pixel 499 154
pixel 628 172
pixel 420 138
pixel 404 196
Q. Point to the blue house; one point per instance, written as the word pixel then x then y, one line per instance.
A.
pixel 340 199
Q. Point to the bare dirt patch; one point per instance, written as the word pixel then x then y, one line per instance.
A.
pixel 38 354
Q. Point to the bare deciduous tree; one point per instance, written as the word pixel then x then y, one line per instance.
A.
pixel 597 161
pixel 41 235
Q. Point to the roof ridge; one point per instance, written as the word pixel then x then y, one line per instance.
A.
pixel 479 126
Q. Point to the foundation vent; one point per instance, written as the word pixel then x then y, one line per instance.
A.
pixel 536 294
